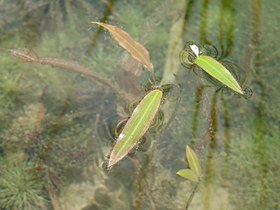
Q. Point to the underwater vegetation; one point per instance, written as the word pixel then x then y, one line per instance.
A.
pixel 210 65
pixel 64 116
pixel 21 187
pixel 137 125
pixel 22 18
pixel 193 173
pixel 141 118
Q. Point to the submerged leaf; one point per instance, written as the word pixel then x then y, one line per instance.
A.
pixel 193 161
pixel 218 71
pixel 24 54
pixel 137 125
pixel 137 50
pixel 188 174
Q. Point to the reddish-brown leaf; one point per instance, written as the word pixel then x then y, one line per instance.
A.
pixel 138 51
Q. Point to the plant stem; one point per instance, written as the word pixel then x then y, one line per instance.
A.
pixel 31 57
pixel 69 65
pixel 191 196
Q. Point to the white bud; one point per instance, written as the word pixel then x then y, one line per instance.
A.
pixel 195 49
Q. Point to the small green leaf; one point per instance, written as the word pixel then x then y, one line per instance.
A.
pixel 193 161
pixel 218 71
pixel 137 125
pixel 188 174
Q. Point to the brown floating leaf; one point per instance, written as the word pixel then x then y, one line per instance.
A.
pixel 127 42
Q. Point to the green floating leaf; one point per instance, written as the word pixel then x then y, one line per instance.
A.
pixel 138 51
pixel 137 125
pixel 218 71
pixel 188 174
pixel 193 161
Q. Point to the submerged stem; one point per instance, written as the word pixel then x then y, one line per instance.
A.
pixel 69 65
pixel 31 57
pixel 191 196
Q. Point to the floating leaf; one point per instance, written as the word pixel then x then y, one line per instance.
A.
pixel 188 174
pixel 193 161
pixel 136 126
pixel 218 71
pixel 128 43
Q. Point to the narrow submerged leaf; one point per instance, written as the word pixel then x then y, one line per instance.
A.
pixel 193 161
pixel 24 54
pixel 137 50
pixel 218 71
pixel 188 174
pixel 137 125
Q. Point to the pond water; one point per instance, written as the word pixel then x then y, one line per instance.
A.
pixel 58 125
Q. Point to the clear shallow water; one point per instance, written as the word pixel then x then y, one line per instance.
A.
pixel 58 126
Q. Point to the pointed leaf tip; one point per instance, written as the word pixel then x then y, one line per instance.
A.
pixel 138 51
pixel 137 125
pixel 218 71
pixel 188 174
pixel 193 161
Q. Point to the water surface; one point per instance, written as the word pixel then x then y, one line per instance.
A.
pixel 57 127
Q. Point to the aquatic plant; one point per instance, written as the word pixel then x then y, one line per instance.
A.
pixel 52 14
pixel 21 187
pixel 193 173
pixel 253 168
pixel 13 88
pixel 138 51
pixel 145 112
pixel 24 133
pixel 30 56
pixel 139 122
pixel 136 126
pixel 193 55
